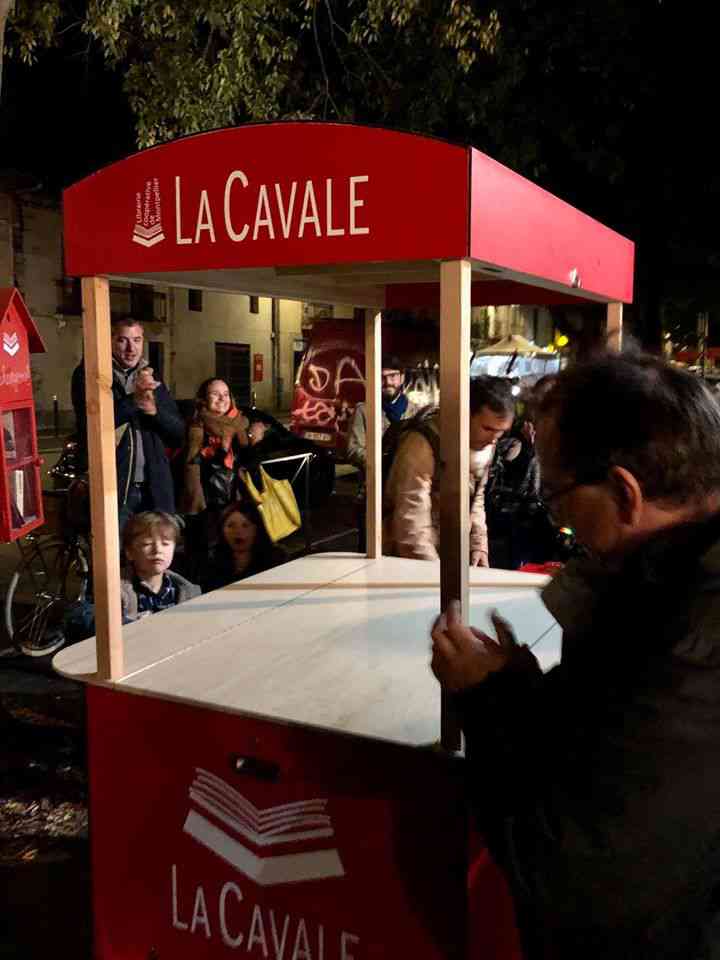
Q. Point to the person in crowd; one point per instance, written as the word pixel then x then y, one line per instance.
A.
pixel 411 500
pixel 596 784
pixel 220 442
pixel 395 407
pixel 519 528
pixel 216 434
pixel 148 585
pixel 149 542
pixel 147 422
pixel 243 550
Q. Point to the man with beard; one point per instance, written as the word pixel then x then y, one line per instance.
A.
pixel 395 407
pixel 595 785
pixel 147 421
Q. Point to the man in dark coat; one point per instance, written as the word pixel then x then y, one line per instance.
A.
pixel 147 421
pixel 597 784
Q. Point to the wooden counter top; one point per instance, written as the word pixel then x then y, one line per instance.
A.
pixel 334 641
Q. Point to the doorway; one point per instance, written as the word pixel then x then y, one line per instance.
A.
pixel 232 364
pixel 156 358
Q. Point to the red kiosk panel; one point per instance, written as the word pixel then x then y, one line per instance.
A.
pixel 280 194
pixel 519 227
pixel 21 507
pixel 315 847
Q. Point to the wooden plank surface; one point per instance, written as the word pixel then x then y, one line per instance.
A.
pixel 350 660
pixel 358 665
pixel 103 476
pixel 373 406
pixel 455 284
pixel 614 328
pixel 176 631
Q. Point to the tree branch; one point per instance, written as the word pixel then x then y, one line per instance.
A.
pixel 318 46
pixel 6 8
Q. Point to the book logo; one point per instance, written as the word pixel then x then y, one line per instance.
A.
pixel 256 842
pixel 11 343
pixel 148 228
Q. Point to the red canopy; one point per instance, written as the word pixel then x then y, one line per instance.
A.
pixel 305 209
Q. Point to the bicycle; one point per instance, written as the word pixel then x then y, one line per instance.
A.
pixel 53 573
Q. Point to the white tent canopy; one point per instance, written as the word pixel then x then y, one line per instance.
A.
pixel 509 345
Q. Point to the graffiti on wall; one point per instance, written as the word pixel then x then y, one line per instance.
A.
pixel 330 384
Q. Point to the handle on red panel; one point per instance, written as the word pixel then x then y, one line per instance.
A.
pixel 256 767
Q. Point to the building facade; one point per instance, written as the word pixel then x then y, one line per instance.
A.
pixel 254 342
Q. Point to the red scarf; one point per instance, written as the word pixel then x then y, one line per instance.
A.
pixel 215 441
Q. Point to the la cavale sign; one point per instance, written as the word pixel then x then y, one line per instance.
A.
pixel 266 195
pixel 251 212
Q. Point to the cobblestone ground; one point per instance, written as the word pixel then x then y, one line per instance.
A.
pixel 44 855
pixel 44 871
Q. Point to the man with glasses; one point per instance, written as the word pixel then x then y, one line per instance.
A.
pixel 396 406
pixel 596 784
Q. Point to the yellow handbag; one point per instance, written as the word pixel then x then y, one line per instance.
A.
pixel 276 504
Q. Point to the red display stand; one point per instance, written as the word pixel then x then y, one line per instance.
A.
pixel 21 504
pixel 262 775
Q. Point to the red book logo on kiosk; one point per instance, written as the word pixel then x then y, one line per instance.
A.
pixel 11 343
pixel 287 843
pixel 148 230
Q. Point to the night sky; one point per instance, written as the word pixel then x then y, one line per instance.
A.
pixel 62 118
pixel 67 116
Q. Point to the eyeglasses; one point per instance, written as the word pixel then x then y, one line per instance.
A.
pixel 547 497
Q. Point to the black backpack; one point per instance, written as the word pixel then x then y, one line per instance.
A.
pixel 420 423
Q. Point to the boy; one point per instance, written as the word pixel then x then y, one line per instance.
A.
pixel 149 541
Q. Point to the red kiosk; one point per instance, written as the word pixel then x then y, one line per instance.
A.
pixel 21 506
pixel 256 782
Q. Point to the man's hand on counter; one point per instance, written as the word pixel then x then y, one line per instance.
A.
pixel 463 656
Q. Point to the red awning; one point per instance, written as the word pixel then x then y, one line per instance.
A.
pixel 302 208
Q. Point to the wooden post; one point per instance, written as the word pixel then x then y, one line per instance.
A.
pixel 614 326
pixel 455 280
pixel 103 477
pixel 373 449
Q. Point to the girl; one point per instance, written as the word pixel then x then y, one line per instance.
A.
pixel 243 550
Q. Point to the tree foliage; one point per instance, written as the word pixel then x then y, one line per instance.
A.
pixel 600 100
pixel 199 64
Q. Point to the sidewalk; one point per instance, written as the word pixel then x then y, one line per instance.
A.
pixel 48 441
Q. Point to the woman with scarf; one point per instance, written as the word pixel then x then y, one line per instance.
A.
pixel 217 433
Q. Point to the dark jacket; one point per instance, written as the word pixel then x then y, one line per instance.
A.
pixel 79 618
pixel 219 571
pixel 597 785
pixel 165 429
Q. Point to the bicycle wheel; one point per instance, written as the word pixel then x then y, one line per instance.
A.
pixel 51 575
